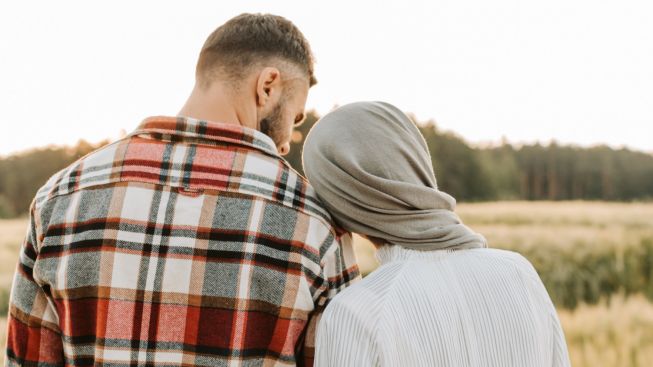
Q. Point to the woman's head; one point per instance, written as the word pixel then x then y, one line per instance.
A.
pixel 371 167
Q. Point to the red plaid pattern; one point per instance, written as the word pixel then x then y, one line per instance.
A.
pixel 185 243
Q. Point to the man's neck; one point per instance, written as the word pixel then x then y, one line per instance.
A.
pixel 215 103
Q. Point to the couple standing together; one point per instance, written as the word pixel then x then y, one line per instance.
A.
pixel 192 242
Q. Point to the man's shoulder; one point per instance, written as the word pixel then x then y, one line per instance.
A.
pixel 275 179
pixel 90 169
pixel 247 172
pixel 295 191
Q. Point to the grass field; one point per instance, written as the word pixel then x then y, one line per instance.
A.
pixel 521 225
pixel 615 332
pixel 11 236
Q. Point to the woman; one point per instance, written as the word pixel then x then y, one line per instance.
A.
pixel 440 296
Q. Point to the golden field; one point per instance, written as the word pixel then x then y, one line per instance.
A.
pixel 11 235
pixel 562 239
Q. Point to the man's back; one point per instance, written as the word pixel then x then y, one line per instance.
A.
pixel 187 243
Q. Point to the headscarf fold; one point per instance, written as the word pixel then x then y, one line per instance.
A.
pixel 371 167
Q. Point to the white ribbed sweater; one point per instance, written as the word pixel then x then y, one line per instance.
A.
pixel 467 308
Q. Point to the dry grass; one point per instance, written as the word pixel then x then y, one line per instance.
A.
pixel 12 233
pixel 568 213
pixel 518 225
pixel 3 338
pixel 620 334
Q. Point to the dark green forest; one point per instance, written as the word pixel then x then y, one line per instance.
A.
pixel 529 172
pixel 505 172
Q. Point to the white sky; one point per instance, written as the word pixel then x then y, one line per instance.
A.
pixel 578 71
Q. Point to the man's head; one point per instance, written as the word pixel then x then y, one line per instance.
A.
pixel 263 62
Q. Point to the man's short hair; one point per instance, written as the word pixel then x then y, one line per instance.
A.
pixel 252 39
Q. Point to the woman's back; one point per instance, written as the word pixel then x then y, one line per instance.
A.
pixel 449 301
pixel 477 307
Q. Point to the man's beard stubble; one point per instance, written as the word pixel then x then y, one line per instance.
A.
pixel 271 125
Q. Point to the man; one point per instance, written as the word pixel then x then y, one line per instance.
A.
pixel 190 241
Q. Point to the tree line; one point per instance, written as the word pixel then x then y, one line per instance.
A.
pixel 528 172
pixel 505 172
pixel 22 174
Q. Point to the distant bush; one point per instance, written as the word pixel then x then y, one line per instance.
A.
pixel 22 174
pixel 4 302
pixel 584 274
pixel 6 208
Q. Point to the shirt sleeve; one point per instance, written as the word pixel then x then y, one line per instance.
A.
pixel 560 352
pixel 33 336
pixel 345 339
pixel 340 267
pixel 339 270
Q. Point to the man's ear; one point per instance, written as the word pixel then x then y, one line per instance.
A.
pixel 268 86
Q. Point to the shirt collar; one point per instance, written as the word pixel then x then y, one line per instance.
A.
pixel 181 126
pixel 390 253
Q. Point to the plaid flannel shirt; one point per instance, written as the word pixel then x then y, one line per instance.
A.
pixel 185 243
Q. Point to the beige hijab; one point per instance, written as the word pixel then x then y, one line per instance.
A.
pixel 371 167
